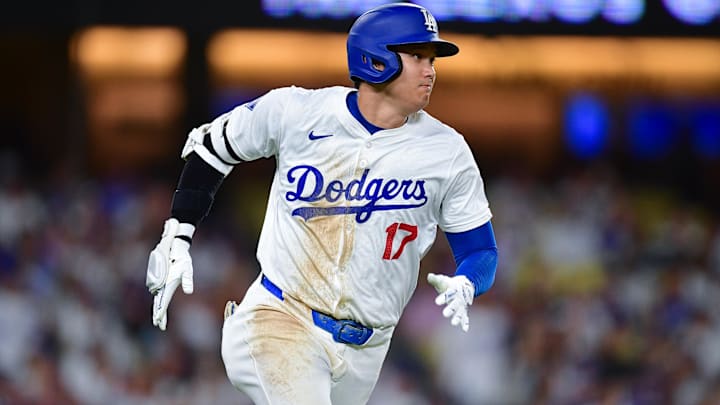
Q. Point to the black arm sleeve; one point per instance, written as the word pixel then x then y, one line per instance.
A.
pixel 195 191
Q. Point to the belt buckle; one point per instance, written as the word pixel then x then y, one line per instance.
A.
pixel 349 332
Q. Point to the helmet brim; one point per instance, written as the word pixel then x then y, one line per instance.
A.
pixel 445 48
pixel 442 48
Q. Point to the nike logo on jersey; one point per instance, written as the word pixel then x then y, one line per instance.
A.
pixel 378 194
pixel 314 137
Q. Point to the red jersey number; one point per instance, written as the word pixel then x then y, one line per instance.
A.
pixel 407 231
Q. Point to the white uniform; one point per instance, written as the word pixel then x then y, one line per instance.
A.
pixel 349 217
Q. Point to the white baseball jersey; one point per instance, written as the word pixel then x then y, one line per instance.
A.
pixel 350 214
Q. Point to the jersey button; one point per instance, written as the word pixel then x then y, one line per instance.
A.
pixel 368 145
pixel 363 164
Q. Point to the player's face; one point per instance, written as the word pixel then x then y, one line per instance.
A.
pixel 412 88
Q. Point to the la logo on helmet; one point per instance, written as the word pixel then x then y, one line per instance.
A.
pixel 430 22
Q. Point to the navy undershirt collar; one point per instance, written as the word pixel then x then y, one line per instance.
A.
pixel 352 105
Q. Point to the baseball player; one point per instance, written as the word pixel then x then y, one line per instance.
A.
pixel 364 178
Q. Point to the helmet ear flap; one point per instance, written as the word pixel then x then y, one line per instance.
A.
pixel 373 66
pixel 387 76
pixel 372 62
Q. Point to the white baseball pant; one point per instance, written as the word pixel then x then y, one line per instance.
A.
pixel 274 353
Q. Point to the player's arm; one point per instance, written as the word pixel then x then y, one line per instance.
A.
pixel 476 257
pixel 246 133
pixel 196 190
pixel 170 264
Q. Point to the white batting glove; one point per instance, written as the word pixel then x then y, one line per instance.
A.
pixel 457 294
pixel 169 265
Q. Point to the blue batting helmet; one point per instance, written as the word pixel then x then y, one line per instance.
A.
pixel 375 32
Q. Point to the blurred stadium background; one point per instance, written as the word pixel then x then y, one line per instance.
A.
pixel 596 124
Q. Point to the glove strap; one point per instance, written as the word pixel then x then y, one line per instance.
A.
pixel 185 232
pixel 185 229
pixel 185 238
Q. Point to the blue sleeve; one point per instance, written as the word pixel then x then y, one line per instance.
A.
pixel 476 255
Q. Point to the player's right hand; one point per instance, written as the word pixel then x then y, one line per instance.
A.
pixel 169 265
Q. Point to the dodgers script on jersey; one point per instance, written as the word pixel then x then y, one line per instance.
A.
pixel 350 215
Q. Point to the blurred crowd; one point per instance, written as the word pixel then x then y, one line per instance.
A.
pixel 606 293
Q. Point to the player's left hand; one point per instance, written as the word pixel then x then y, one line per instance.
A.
pixel 169 266
pixel 457 294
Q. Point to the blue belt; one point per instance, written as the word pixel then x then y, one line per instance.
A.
pixel 342 330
